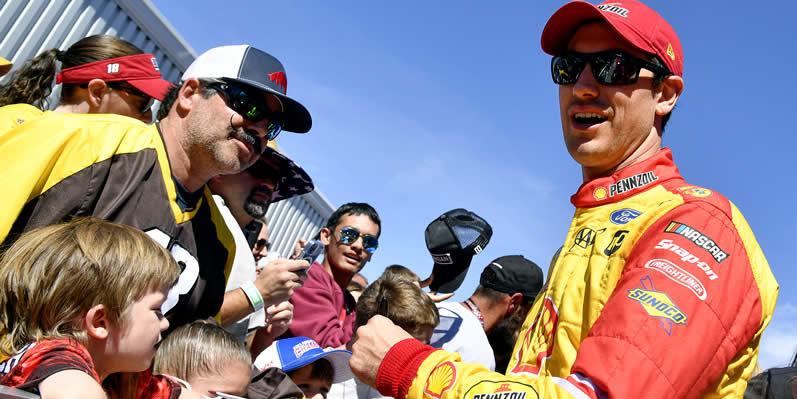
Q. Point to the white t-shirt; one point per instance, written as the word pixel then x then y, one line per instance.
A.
pixel 461 331
pixel 243 270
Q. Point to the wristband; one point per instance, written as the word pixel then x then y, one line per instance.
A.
pixel 253 295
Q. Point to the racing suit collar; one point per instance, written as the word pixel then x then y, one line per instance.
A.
pixel 627 182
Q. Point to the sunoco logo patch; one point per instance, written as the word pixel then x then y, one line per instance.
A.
pixel 658 304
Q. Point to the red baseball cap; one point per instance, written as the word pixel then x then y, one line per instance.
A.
pixel 140 71
pixel 635 22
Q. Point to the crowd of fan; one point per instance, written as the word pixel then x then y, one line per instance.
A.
pixel 136 260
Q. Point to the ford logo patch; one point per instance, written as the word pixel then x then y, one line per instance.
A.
pixel 625 215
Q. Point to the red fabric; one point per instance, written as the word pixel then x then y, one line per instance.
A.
pixel 398 368
pixel 40 360
pixel 140 70
pixel 317 310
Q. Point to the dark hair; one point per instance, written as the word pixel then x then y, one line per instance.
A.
pixel 492 296
pixel 321 368
pixel 171 96
pixel 354 208
pixel 657 80
pixel 33 82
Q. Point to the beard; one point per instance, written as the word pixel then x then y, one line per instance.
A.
pixel 255 207
pixel 503 337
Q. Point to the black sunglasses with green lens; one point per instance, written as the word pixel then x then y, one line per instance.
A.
pixel 251 104
pixel 613 67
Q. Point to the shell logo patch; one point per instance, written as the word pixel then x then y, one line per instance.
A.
pixel 600 193
pixel 442 379
pixel 501 390
pixel 670 52
pixel 658 304
pixel 695 191
pixel 538 340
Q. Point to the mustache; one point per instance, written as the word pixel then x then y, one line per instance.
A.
pixel 250 137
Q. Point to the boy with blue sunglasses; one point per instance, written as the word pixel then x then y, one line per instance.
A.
pixel 323 309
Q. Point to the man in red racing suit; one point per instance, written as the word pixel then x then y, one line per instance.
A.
pixel 660 288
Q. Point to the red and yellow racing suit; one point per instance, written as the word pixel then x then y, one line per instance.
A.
pixel 660 290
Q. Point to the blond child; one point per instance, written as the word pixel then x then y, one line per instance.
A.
pixel 206 359
pixel 79 302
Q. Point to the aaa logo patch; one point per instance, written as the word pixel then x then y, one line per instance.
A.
pixel 442 379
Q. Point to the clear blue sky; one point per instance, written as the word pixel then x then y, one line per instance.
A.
pixel 423 106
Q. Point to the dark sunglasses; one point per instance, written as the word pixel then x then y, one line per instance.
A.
pixel 349 235
pixel 262 243
pixel 147 101
pixel 611 67
pixel 251 104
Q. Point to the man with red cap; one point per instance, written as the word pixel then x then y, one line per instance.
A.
pixel 659 290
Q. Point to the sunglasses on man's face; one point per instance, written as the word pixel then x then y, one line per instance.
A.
pixel 251 104
pixel 262 243
pixel 613 67
pixel 349 234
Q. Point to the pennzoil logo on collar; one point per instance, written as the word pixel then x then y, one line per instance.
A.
pixel 700 239
pixel 501 390
pixel 658 304
pixel 614 8
pixel 631 183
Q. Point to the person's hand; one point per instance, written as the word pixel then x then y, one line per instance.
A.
pixel 278 319
pixel 432 294
pixel 372 341
pixel 439 297
pixel 298 247
pixel 278 279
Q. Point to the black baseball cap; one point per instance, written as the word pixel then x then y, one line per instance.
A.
pixel 452 239
pixel 513 273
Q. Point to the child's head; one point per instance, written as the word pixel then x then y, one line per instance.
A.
pixel 399 271
pixel 313 379
pixel 59 281
pixel 206 356
pixel 311 368
pixel 401 301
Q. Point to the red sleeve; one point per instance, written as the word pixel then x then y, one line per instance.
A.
pixel 686 304
pixel 156 387
pixel 319 311
pixel 44 359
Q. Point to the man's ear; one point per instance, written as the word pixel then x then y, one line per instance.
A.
pixel 515 303
pixel 97 89
pixel 187 95
pixel 96 322
pixel 668 93
pixel 324 236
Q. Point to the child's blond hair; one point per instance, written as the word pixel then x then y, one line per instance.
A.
pixel 51 276
pixel 199 349
pixel 404 302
